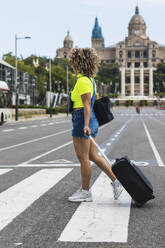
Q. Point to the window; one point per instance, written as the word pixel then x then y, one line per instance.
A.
pixel 121 54
pixel 128 64
pixel 146 79
pixel 127 80
pixel 136 32
pixel 137 80
pixel 145 54
pixel 153 53
pixel 65 55
pixel 129 54
pixel 145 64
pixel 137 64
pixel 137 54
pixel 137 43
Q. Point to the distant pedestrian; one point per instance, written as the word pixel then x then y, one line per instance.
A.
pixel 138 109
pixel 84 123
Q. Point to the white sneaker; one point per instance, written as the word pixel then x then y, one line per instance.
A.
pixel 117 189
pixel 81 195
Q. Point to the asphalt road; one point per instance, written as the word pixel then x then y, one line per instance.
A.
pixel 39 170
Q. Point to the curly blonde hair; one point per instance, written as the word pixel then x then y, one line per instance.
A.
pixel 84 60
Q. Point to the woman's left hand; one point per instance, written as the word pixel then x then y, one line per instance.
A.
pixel 87 131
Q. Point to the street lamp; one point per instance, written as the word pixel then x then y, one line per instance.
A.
pixel 33 85
pixel 50 86
pixel 16 69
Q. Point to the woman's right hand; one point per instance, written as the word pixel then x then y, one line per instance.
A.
pixel 87 131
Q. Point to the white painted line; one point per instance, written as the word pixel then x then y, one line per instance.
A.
pixel 8 130
pixel 103 220
pixel 33 126
pixel 46 165
pixel 43 125
pixel 155 151
pixel 4 171
pixel 19 197
pixel 46 153
pixel 34 140
pixel 158 121
pixel 59 161
pixel 22 128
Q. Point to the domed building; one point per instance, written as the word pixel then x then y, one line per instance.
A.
pixel 137 56
pixel 67 46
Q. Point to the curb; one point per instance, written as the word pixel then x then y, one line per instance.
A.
pixel 41 117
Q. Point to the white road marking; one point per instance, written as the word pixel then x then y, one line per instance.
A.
pixel 158 121
pixel 3 171
pixel 52 164
pixel 155 151
pixel 34 140
pixel 46 153
pixel 8 130
pixel 33 126
pixel 103 220
pixel 19 197
pixel 22 128
pixel 60 161
pixel 57 165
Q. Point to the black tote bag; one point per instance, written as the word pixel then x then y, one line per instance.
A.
pixel 102 110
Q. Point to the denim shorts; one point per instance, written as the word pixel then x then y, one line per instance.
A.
pixel 78 124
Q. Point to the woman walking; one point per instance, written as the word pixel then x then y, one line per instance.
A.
pixel 84 123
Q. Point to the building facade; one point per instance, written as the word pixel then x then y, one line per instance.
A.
pixel 27 83
pixel 136 55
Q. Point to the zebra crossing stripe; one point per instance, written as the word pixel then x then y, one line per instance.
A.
pixel 3 171
pixel 103 220
pixel 16 199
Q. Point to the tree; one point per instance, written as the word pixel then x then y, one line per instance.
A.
pixel 159 78
pixel 42 72
pixel 109 73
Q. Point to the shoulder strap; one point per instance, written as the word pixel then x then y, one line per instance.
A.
pixel 94 93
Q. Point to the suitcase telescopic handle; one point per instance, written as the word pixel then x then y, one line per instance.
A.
pixel 99 149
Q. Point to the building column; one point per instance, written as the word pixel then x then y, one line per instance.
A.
pixel 122 81
pixel 151 82
pixel 132 80
pixel 141 80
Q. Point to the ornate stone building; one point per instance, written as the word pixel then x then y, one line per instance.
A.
pixel 137 56
pixel 67 46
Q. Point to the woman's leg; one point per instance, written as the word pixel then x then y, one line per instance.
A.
pixel 82 148
pixel 100 161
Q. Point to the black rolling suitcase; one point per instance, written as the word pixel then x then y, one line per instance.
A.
pixel 133 180
pixel 131 177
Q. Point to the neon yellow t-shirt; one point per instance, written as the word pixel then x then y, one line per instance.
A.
pixel 83 86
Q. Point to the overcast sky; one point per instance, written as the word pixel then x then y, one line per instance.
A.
pixel 47 22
